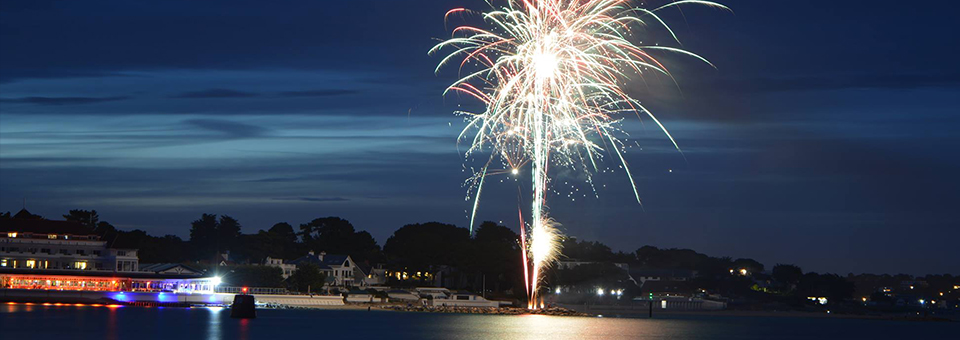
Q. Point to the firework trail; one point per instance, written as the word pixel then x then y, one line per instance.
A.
pixel 549 73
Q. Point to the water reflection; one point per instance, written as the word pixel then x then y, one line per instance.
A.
pixel 23 321
pixel 213 325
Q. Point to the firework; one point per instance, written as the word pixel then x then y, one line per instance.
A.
pixel 550 74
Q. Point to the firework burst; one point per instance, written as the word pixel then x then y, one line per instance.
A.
pixel 550 75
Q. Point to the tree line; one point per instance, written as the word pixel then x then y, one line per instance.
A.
pixel 490 257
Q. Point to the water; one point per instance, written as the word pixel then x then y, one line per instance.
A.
pixel 38 322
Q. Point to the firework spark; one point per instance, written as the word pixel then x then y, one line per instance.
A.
pixel 550 75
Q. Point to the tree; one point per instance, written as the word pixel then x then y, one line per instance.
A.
pixel 750 265
pixel 211 237
pixel 585 250
pixel 203 236
pixel 308 277
pixel 283 232
pixel 335 235
pixel 88 218
pixel 496 253
pixel 787 273
pixel 589 276
pixel 832 286
pixel 419 247
pixel 228 230
pixel 254 276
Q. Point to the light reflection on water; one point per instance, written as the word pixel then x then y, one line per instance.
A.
pixel 70 322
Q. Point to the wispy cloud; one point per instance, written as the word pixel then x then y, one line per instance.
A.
pixel 228 127
pixel 216 93
pixel 317 93
pixel 312 199
pixel 58 101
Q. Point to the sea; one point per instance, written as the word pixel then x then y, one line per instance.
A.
pixel 38 322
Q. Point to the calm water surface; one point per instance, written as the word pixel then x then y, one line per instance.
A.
pixel 50 322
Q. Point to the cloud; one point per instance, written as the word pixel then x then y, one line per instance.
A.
pixel 318 93
pixel 216 93
pixel 827 83
pixel 57 101
pixel 228 127
pixel 312 199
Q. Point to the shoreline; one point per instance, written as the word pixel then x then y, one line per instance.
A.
pixel 557 311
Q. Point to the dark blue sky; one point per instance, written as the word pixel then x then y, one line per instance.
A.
pixel 825 139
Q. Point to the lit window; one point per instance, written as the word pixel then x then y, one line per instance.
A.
pixel 3 262
pixel 80 265
pixel 52 236
pixel 11 234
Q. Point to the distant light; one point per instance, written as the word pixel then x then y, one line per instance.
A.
pixel 600 291
pixel 922 301
pixel 743 271
pixel 671 170
pixel 557 290
pixel 216 281
pixel 515 171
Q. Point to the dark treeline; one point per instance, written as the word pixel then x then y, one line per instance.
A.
pixel 490 257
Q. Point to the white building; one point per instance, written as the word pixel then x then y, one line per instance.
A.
pixel 287 268
pixel 39 244
pixel 340 269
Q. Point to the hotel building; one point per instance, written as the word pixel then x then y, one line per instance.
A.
pixel 60 245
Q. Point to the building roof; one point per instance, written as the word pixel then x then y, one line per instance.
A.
pixel 41 226
pixel 166 267
pixel 96 273
pixel 327 262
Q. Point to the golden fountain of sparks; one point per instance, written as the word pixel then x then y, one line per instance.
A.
pixel 550 75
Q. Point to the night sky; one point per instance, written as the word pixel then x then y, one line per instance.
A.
pixel 826 138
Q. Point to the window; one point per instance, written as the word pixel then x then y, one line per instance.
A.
pixel 12 235
pixel 45 250
pixel 80 252
pixel 52 236
pixel 96 253
pixel 121 253
pixel 65 251
pixel 31 263
pixel 3 262
pixel 81 265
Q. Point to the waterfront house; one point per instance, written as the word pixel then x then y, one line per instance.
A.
pixel 286 268
pixel 340 269
pixel 34 243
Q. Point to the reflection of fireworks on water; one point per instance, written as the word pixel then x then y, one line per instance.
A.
pixel 549 73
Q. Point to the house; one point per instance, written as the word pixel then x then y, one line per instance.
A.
pixel 286 268
pixel 371 275
pixel 340 269
pixel 642 275
pixel 28 242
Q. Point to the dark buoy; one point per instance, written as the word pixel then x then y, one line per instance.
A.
pixel 243 307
